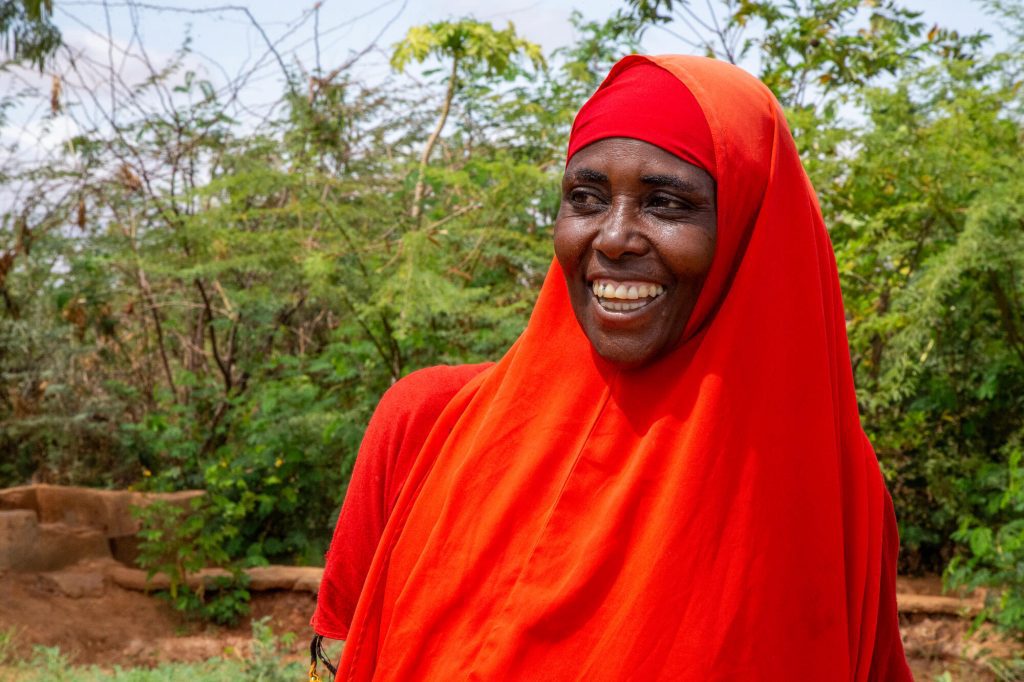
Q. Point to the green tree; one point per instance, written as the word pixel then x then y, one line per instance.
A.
pixel 27 32
pixel 233 304
pixel 473 47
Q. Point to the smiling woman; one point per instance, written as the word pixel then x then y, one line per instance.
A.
pixel 665 477
pixel 635 237
pixel 638 210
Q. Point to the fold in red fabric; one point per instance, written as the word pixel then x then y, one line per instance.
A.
pixel 716 515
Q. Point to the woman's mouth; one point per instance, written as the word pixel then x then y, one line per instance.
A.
pixel 618 296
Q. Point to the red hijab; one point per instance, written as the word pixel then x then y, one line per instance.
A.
pixel 715 515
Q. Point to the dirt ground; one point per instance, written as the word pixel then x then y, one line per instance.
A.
pixel 939 644
pixel 129 628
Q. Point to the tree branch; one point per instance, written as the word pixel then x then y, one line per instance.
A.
pixel 417 197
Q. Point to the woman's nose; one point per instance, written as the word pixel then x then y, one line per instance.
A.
pixel 619 232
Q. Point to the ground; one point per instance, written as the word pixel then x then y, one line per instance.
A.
pixel 129 628
pixel 124 627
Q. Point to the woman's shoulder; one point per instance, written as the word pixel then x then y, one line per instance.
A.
pixel 401 423
pixel 403 419
pixel 429 385
pixel 427 391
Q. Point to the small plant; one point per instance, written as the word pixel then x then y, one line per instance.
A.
pixel 48 662
pixel 1006 671
pixel 179 543
pixel 994 551
pixel 7 645
pixel 265 663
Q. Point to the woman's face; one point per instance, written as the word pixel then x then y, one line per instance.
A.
pixel 635 236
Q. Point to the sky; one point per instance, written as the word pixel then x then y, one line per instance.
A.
pixel 227 38
pixel 225 44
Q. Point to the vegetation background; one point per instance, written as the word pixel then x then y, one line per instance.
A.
pixel 196 296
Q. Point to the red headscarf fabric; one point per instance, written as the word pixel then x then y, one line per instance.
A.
pixel 716 515
pixel 645 102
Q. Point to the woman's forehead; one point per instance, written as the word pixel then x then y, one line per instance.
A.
pixel 646 162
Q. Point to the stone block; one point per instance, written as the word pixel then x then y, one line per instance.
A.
pixel 22 497
pixel 108 511
pixel 61 545
pixel 294 578
pixel 934 605
pixel 138 579
pixel 73 584
pixel 48 527
pixel 297 578
pixel 19 537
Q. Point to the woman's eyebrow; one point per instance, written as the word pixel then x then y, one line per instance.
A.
pixel 589 175
pixel 672 181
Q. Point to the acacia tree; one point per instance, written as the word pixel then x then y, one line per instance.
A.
pixel 474 49
pixel 232 303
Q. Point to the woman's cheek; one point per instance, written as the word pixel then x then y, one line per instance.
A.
pixel 570 242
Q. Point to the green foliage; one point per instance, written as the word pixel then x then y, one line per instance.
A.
pixel 27 32
pixel 264 663
pixel 811 50
pixel 599 46
pixel 178 542
pixel 7 646
pixel 994 540
pixel 230 330
pixel 475 44
pixel 1006 670
pixel 820 43
pixel 929 242
pixel 478 53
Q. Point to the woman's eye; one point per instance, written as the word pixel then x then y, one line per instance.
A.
pixel 583 198
pixel 668 202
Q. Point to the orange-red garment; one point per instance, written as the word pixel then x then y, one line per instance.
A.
pixel 715 515
pixel 393 439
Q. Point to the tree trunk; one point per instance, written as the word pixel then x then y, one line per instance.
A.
pixel 416 211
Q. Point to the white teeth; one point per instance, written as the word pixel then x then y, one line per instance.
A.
pixel 622 306
pixel 632 296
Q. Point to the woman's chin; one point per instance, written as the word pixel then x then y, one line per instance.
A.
pixel 624 353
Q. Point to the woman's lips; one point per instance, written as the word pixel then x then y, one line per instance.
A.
pixel 625 296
